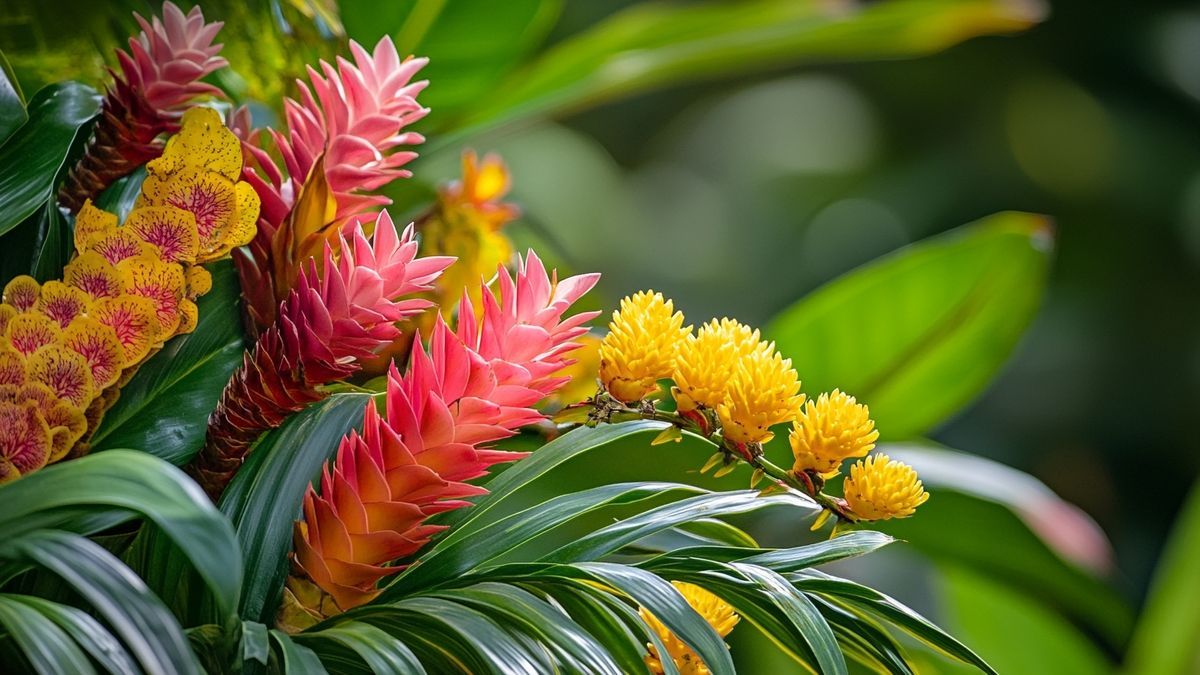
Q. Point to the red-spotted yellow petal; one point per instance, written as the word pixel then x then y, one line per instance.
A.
pixel 92 223
pixel 210 197
pixel 31 331
pixel 203 142
pixel 62 302
pixel 65 372
pixel 39 393
pixel 172 230
pixel 7 312
pixel 161 282
pixel 120 244
pixel 22 293
pixel 243 228
pixel 25 443
pixel 98 344
pixel 189 314
pixel 133 319
pixel 67 424
pixel 199 281
pixel 12 366
pixel 94 275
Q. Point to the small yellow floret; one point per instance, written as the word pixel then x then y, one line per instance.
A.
pixel 641 346
pixel 764 391
pixel 714 610
pixel 829 430
pixel 879 488
pixel 707 361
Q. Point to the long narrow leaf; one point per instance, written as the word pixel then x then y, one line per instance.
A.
pixel 95 639
pixel 46 646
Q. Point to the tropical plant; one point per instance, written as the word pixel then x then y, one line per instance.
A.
pixel 355 526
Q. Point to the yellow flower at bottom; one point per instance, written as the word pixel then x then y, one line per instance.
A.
pixel 829 430
pixel 707 361
pixel 879 488
pixel 641 346
pixel 714 610
pixel 764 391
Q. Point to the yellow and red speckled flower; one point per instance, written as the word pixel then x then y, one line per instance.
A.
pixel 22 293
pixel 118 245
pixel 133 320
pixel 173 231
pixel 158 281
pixel 67 425
pixel 12 365
pixel 91 224
pixel 199 281
pixel 31 331
pixel 66 373
pixel 94 275
pixel 25 443
pixel 62 302
pixel 98 344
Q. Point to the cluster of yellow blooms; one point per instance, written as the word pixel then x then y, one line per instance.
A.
pixel 67 346
pixel 726 373
pixel 712 609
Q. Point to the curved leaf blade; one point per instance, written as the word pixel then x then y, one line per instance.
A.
pixel 95 639
pixel 46 645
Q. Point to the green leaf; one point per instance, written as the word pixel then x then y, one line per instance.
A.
pixel 45 644
pixel 802 613
pixel 916 334
pixel 1167 638
pixel 136 615
pixel 12 103
pixel 1010 527
pixel 590 612
pixel 87 633
pixel 295 658
pixel 266 495
pixel 95 492
pixel 381 652
pixel 878 604
pixel 31 157
pixel 164 409
pixel 655 44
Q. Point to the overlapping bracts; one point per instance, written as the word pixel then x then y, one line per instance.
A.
pixel 345 138
pixel 344 309
pixel 158 78
pixel 65 346
pixel 469 389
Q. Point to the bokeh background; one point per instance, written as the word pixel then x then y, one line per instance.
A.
pixel 738 195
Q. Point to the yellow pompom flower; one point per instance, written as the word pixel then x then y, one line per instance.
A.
pixel 764 391
pixel 829 430
pixel 707 361
pixel 715 611
pixel 641 346
pixel 879 488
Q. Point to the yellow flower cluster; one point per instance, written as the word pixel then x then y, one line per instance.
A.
pixel 879 488
pixel 641 346
pixel 830 430
pixel 714 610
pixel 67 346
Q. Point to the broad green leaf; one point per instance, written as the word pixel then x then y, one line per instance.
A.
pixel 164 409
pixel 1167 639
pixel 32 155
pixel 54 245
pixel 1015 632
pixel 93 493
pixel 87 632
pixel 145 625
pixel 45 644
pixel 1013 529
pixel 884 607
pixel 916 334
pixel 295 658
pixel 802 613
pixel 12 103
pixel 265 497
pixel 655 44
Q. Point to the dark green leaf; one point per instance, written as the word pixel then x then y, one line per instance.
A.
pixel 255 645
pixel 381 652
pixel 164 409
pixel 296 659
pixel 266 495
pixel 98 491
pixel 32 155
pixel 136 615
pixel 581 604
pixel 120 197
pixel 46 645
pixel 12 103
pixel 87 633
pixel 943 316
pixel 802 613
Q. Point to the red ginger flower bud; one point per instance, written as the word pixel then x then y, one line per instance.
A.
pixel 339 313
pixel 348 127
pixel 159 77
pixel 470 388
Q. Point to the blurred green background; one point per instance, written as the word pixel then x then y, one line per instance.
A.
pixel 737 190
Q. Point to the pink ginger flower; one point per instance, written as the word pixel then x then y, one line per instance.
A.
pixel 340 312
pixel 349 128
pixel 159 78
pixel 470 389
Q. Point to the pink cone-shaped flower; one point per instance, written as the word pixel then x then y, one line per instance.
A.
pixel 339 312
pixel 348 125
pixel 159 77
pixel 469 389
